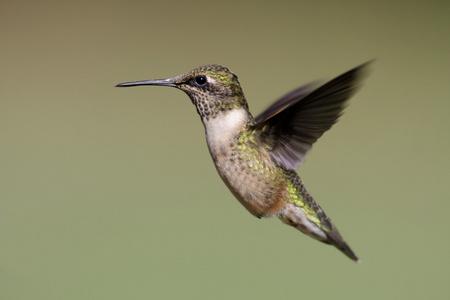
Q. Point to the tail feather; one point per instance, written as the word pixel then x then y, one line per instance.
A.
pixel 295 216
pixel 338 242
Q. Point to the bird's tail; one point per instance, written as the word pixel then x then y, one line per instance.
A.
pixel 296 217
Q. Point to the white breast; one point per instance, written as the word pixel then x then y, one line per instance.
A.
pixel 221 129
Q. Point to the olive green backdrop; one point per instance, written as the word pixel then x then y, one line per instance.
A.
pixel 110 193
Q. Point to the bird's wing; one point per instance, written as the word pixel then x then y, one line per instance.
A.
pixel 292 124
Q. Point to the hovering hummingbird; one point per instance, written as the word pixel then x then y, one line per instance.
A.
pixel 257 157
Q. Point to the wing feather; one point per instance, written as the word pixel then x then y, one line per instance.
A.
pixel 291 125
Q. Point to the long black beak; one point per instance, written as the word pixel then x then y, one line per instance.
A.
pixel 161 82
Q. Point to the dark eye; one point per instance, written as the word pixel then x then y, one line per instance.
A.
pixel 200 80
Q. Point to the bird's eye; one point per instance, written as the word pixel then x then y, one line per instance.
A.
pixel 200 80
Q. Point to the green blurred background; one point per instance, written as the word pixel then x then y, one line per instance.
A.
pixel 110 193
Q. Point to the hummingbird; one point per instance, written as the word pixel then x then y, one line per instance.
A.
pixel 257 157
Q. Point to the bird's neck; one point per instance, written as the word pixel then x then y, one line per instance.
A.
pixel 225 127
